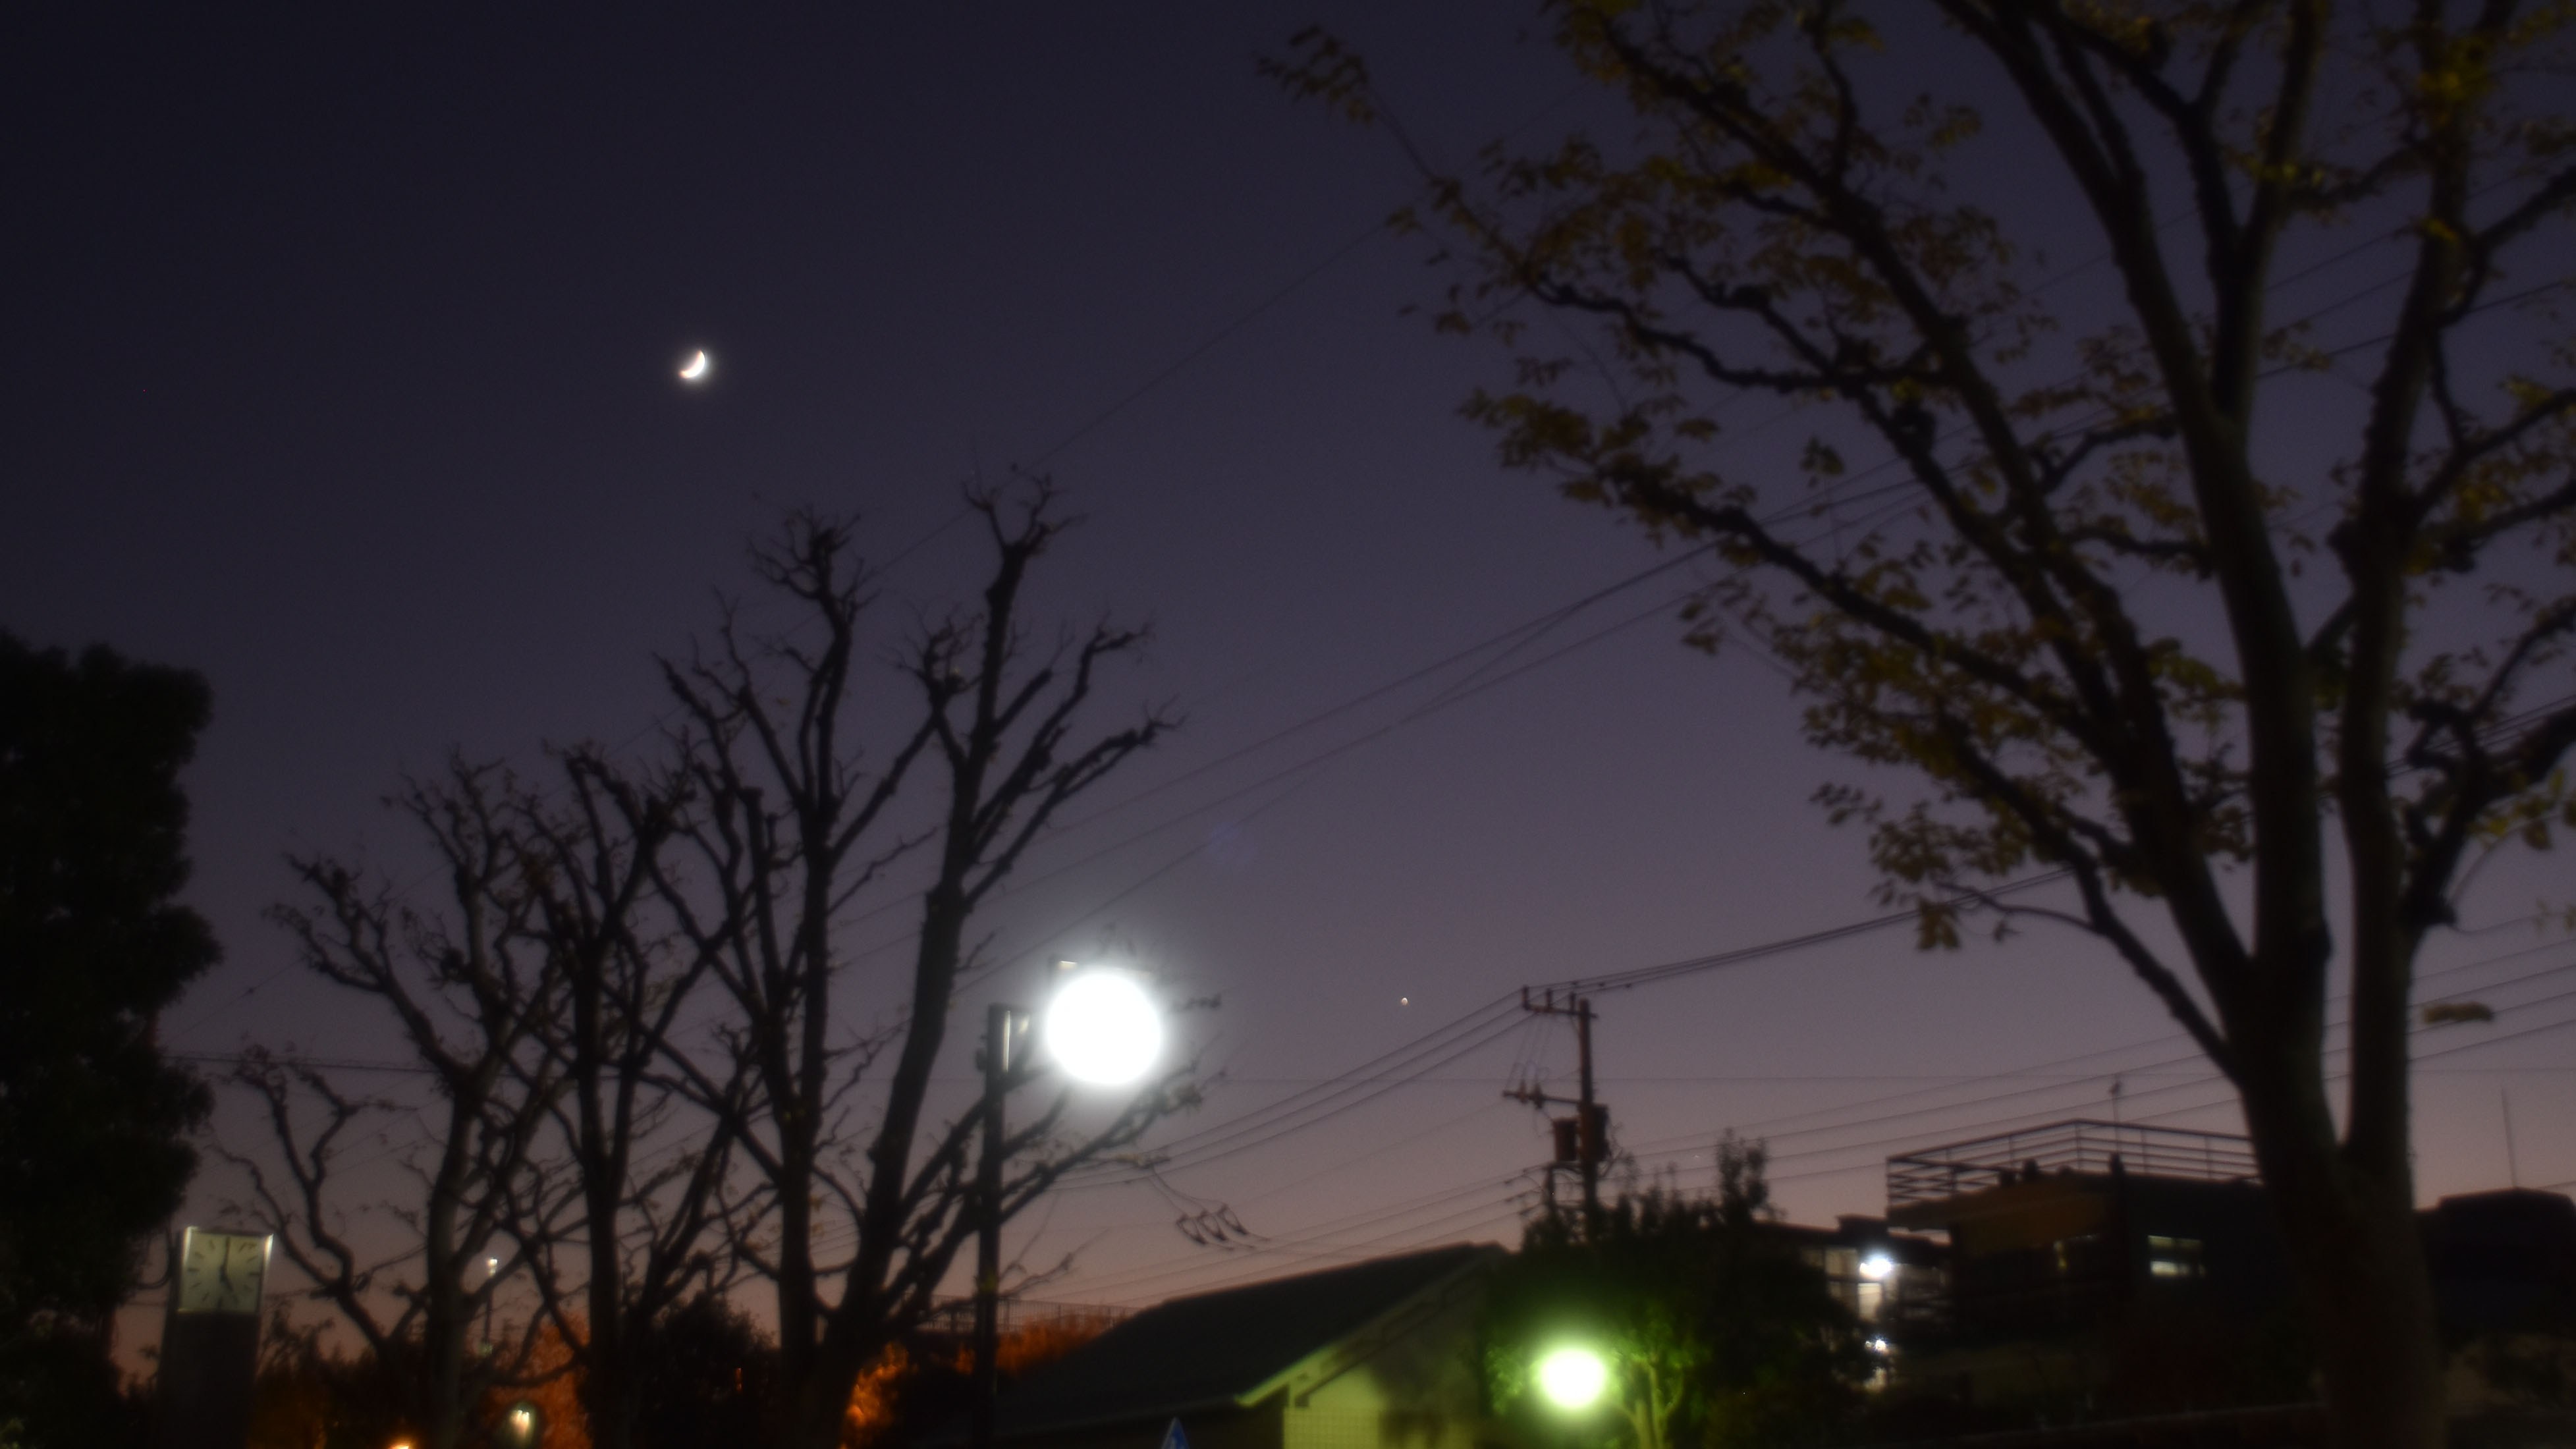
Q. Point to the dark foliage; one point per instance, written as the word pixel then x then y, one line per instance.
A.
pixel 93 1120
pixel 706 1375
pixel 60 1385
pixel 1717 1331
pixel 309 1397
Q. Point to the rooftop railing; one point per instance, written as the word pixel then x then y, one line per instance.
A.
pixel 2080 1146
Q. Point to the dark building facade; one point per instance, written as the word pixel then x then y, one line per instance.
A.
pixel 2503 1261
pixel 2097 1270
pixel 1885 1277
pixel 2096 1265
pixel 2062 1227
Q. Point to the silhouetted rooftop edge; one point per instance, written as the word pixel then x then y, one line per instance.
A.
pixel 1224 1349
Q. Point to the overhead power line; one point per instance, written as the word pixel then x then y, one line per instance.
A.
pixel 1321 1233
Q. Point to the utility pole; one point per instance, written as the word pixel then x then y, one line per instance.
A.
pixel 998 1023
pixel 1589 1134
pixel 1582 1141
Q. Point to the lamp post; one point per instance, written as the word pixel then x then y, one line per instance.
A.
pixel 999 1022
pixel 1102 1030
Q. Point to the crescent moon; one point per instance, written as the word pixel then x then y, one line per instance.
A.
pixel 696 369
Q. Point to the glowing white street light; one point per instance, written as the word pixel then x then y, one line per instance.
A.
pixel 1572 1377
pixel 1102 1029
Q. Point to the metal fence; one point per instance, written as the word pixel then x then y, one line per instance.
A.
pixel 2079 1146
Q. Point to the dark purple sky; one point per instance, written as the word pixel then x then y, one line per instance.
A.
pixel 339 367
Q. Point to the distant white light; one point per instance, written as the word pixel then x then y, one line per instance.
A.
pixel 1877 1266
pixel 1103 1029
pixel 1573 1378
pixel 696 370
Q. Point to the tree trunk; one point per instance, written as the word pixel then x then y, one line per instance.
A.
pixel 607 1385
pixel 608 1403
pixel 2356 1258
pixel 446 1387
pixel 2370 1301
pixel 822 1400
pixel 444 1321
pixel 796 1326
pixel 2377 1347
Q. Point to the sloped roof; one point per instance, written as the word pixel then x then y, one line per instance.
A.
pixel 1212 1349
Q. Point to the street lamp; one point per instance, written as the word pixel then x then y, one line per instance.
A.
pixel 1572 1377
pixel 524 1427
pixel 1103 1030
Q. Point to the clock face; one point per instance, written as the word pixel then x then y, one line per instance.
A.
pixel 221 1272
pixel 245 1267
pixel 201 1257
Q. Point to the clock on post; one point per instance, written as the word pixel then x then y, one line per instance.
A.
pixel 210 1342
pixel 221 1272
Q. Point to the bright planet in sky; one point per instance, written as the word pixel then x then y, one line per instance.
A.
pixel 696 371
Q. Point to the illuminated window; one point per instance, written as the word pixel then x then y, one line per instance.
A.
pixel 2169 1257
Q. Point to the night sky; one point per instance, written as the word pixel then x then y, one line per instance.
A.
pixel 340 367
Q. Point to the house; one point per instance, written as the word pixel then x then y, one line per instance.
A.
pixel 1375 1355
pixel 2099 1269
pixel 2503 1261
pixel 2095 1263
pixel 2063 1225
pixel 2504 1277
pixel 1887 1279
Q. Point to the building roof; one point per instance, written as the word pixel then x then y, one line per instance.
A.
pixel 2078 1147
pixel 1866 1236
pixel 1222 1349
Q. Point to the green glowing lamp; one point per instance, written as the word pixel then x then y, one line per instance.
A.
pixel 1572 1377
